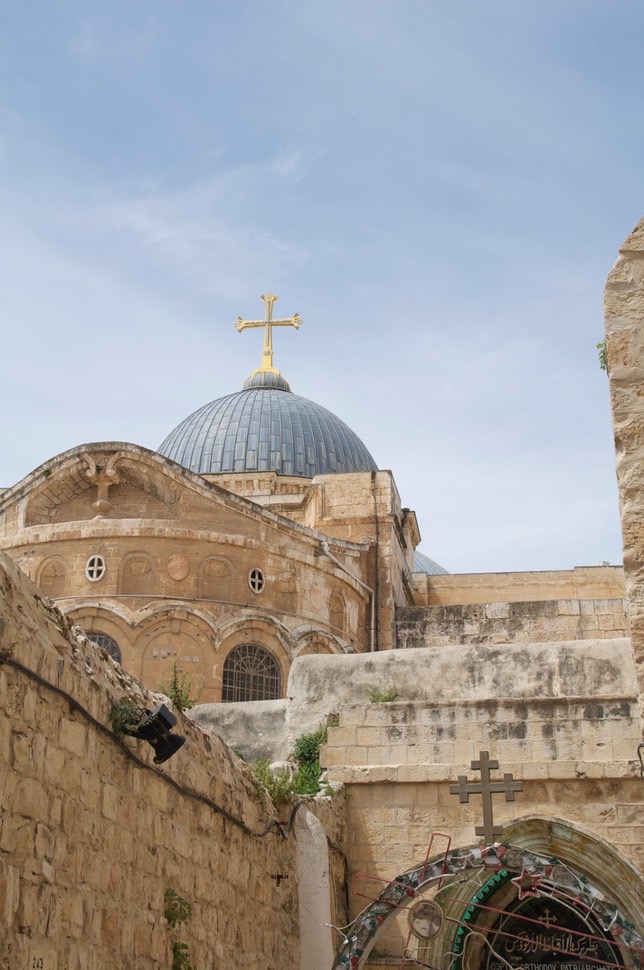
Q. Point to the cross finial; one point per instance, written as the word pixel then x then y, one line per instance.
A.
pixel 486 788
pixel 268 323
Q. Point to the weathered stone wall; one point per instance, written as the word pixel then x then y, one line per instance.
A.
pixel 445 677
pixel 624 322
pixel 90 839
pixel 577 759
pixel 580 583
pixel 539 621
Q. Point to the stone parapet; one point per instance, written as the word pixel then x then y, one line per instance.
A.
pixel 538 621
pixel 580 583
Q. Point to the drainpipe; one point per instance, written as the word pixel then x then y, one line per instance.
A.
pixel 376 585
pixel 372 599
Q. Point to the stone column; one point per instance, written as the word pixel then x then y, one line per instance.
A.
pixel 624 323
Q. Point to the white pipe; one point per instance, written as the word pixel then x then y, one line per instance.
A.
pixel 372 625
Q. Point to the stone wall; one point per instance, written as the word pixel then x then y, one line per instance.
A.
pixel 581 583
pixel 320 686
pixel 624 322
pixel 539 621
pixel 92 834
pixel 576 758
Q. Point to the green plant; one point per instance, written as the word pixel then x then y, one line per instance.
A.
pixel 179 690
pixel 181 957
pixel 281 786
pixel 177 909
pixel 601 349
pixel 278 786
pixel 307 779
pixel 382 695
pixel 124 717
pixel 307 747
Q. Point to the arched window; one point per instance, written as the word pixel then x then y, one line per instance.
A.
pixel 102 640
pixel 251 674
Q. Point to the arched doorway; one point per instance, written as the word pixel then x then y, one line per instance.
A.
pixel 507 907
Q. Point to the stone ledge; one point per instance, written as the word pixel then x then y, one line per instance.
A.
pixel 448 773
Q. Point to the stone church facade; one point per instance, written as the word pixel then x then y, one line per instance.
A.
pixel 494 810
pixel 263 531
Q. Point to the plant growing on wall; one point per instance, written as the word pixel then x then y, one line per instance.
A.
pixel 181 957
pixel 179 690
pixel 382 695
pixel 284 785
pixel 178 910
pixel 601 350
pixel 277 785
pixel 125 717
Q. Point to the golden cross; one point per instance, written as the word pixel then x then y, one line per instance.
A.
pixel 486 787
pixel 268 323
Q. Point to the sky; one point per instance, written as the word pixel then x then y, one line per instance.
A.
pixel 438 187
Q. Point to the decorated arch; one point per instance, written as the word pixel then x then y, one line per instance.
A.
pixel 505 907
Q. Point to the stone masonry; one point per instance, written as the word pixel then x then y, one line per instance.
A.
pixel 624 322
pixel 91 839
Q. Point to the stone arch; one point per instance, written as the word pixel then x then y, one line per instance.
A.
pixel 169 636
pixel 136 575
pixel 316 642
pixel 97 620
pixel 215 578
pixel 539 858
pixel 52 576
pixel 251 673
pixel 273 633
pixel 259 632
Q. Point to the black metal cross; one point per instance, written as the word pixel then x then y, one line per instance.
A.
pixel 486 788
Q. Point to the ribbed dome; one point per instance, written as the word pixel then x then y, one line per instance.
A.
pixel 266 428
pixel 423 564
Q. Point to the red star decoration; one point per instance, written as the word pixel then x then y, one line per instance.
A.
pixel 527 883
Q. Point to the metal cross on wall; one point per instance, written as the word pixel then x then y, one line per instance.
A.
pixel 486 788
pixel 268 323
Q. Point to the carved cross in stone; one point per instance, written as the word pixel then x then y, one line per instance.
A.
pixel 268 323
pixel 486 788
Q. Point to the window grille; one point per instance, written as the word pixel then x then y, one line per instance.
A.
pixel 256 580
pixel 102 640
pixel 95 568
pixel 251 674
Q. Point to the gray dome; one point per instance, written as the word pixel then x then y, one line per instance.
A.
pixel 423 564
pixel 265 427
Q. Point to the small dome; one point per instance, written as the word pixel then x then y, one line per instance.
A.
pixel 423 564
pixel 265 427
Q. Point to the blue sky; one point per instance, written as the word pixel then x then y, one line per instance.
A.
pixel 438 188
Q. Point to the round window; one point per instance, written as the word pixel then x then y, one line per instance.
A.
pixel 256 580
pixel 95 568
